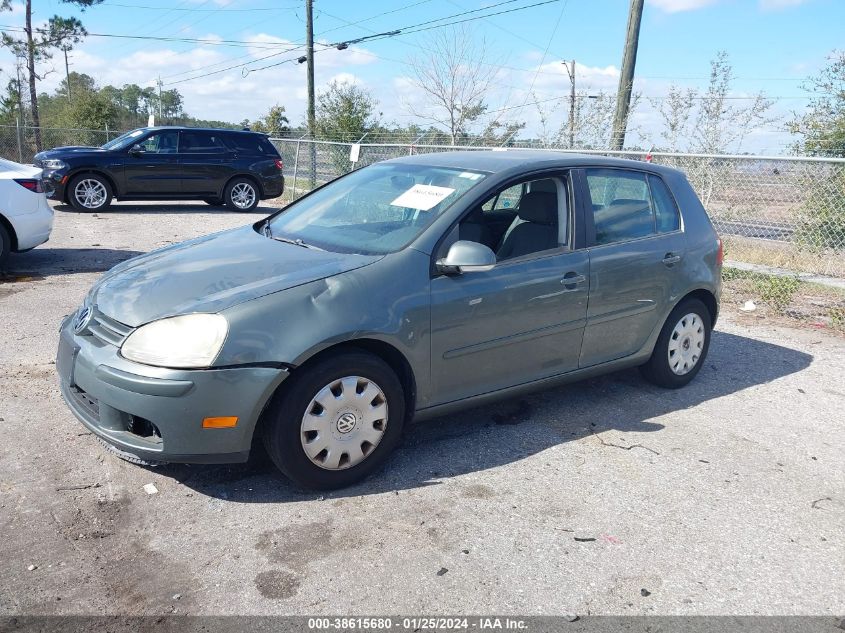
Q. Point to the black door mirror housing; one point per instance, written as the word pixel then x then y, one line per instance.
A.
pixel 136 150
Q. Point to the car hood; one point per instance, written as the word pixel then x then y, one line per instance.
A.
pixel 70 150
pixel 210 274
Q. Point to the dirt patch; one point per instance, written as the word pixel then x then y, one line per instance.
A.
pixel 277 584
pixel 478 491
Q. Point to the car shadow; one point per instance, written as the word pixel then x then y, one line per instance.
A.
pixel 165 208
pixel 44 262
pixel 490 436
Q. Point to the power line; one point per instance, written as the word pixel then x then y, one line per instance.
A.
pixel 194 9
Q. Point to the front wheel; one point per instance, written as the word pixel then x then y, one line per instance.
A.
pixel 336 422
pixel 241 195
pixel 681 347
pixel 90 192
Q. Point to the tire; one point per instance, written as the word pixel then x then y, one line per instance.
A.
pixel 89 193
pixel 687 330
pixel 214 202
pixel 127 457
pixel 241 194
pixel 295 421
pixel 5 247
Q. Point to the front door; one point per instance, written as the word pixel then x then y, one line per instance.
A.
pixel 635 258
pixel 154 171
pixel 522 320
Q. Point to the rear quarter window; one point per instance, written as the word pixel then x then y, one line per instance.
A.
pixel 252 144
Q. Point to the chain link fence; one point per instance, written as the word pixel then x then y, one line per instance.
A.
pixel 779 212
pixel 784 215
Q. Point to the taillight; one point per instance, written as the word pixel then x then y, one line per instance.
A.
pixel 279 163
pixel 720 254
pixel 33 184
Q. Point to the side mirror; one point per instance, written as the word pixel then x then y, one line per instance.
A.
pixel 136 150
pixel 466 257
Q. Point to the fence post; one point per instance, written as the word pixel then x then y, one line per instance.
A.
pixel 295 169
pixel 19 135
pixel 107 132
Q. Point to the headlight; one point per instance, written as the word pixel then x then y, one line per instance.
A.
pixel 189 341
pixel 53 163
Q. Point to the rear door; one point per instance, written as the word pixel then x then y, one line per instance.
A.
pixel 635 248
pixel 155 171
pixel 205 161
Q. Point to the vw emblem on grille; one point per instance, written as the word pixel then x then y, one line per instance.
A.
pixel 82 319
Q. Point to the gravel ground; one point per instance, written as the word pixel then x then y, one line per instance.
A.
pixel 605 497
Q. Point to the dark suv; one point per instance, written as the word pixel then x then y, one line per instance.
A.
pixel 232 167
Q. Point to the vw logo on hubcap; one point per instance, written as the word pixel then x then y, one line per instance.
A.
pixel 346 422
pixel 83 317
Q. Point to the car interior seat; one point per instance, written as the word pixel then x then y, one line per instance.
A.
pixel 537 229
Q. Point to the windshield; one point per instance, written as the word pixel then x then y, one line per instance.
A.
pixel 374 210
pixel 124 140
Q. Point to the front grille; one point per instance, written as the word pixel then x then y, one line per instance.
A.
pixel 86 402
pixel 107 329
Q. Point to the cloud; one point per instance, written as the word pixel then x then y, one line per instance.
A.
pixel 777 5
pixel 677 6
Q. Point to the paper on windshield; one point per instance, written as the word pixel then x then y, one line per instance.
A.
pixel 422 197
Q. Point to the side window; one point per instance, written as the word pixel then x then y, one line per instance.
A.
pixel 621 203
pixel 668 217
pixel 249 144
pixel 161 143
pixel 533 227
pixel 201 143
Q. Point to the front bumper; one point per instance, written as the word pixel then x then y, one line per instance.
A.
pixel 54 184
pixel 156 414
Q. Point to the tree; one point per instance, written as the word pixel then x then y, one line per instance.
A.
pixel 455 78
pixel 822 125
pixel 719 126
pixel 345 112
pixel 274 123
pixel 37 44
pixel 675 110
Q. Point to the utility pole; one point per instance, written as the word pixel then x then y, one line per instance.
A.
pixel 159 84
pixel 626 77
pixel 571 72
pixel 67 72
pixel 312 123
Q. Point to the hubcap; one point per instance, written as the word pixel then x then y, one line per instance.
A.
pixel 344 423
pixel 90 193
pixel 243 195
pixel 686 344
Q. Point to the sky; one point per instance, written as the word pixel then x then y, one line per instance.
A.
pixel 773 45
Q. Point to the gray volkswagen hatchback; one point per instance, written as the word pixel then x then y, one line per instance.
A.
pixel 407 289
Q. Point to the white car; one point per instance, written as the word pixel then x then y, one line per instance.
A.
pixel 26 218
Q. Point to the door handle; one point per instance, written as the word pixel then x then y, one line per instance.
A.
pixel 671 258
pixel 571 280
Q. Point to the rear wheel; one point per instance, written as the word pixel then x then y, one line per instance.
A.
pixel 336 422
pixel 681 347
pixel 90 192
pixel 5 246
pixel 241 195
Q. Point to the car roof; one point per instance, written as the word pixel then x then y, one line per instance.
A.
pixel 198 129
pixel 507 160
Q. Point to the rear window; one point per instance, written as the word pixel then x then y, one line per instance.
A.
pixel 252 144
pixel 201 143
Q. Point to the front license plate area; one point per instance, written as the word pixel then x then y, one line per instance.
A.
pixel 66 359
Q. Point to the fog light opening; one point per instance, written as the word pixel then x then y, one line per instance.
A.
pixel 142 427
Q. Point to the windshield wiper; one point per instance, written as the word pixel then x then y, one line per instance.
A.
pixel 296 242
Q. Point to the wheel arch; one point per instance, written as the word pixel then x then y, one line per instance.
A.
pixel 95 172
pixel 249 177
pixel 707 298
pixel 395 359
pixel 13 236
